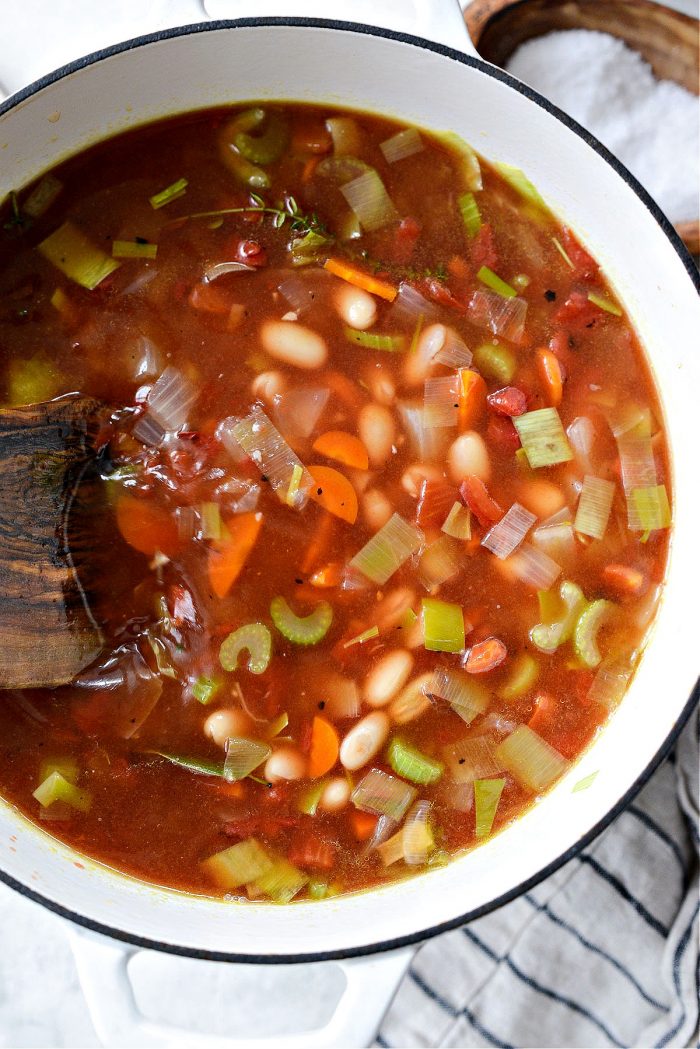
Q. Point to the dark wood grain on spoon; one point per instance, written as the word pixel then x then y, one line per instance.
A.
pixel 50 501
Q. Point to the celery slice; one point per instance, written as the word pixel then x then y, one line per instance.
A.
pixel 308 802
pixel 496 283
pixel 652 507
pixel 547 637
pixel 409 762
pixel 210 521
pixel 585 783
pixel 402 145
pixel 487 794
pixel 133 249
pixel 206 688
pixel 66 766
pixel 458 523
pixel 524 673
pixel 265 147
pixel 386 551
pixel 604 303
pixel 530 759
pixel 203 768
pixel 243 756
pixel 471 169
pixel 496 361
pixel 439 562
pixel 253 638
pixel 519 181
pixel 564 254
pixel 360 639
pixel 443 625
pixel 543 437
pixel 170 193
pixel 74 254
pixel 281 881
pixel 471 216
pixel 371 340
pixel 472 759
pixel 240 864
pixel 368 198
pixel 57 788
pixel 594 506
pixel 301 630
pixel 589 623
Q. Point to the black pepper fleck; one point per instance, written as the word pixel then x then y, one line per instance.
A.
pixel 550 295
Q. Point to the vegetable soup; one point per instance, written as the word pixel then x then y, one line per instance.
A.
pixel 387 486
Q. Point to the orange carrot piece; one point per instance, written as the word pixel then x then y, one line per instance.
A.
pixel 344 447
pixel 309 168
pixel 147 528
pixel 485 656
pixel 352 275
pixel 551 377
pixel 334 493
pixel 227 559
pixel 545 713
pixel 319 543
pixel 363 824
pixel 472 399
pixel 624 580
pixel 324 748
pixel 329 575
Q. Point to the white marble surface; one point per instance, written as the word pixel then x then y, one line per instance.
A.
pixel 41 1003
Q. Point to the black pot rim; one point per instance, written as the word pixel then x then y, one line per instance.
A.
pixel 414 938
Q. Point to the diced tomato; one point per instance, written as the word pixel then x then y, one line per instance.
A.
pixel 311 852
pixel 406 238
pixel 483 248
pixel 507 401
pixel 545 715
pixel 441 294
pixel 577 312
pixel 475 495
pixel 502 435
pixel 210 298
pixel 584 265
pixel 434 503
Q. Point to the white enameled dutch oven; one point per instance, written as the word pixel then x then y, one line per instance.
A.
pixel 433 79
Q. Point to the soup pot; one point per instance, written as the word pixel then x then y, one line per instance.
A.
pixel 434 79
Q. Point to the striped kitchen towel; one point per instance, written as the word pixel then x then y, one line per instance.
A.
pixel 602 953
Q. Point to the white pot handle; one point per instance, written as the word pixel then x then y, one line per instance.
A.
pixel 441 21
pixel 102 963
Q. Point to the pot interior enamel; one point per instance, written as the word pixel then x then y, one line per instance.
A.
pixel 342 66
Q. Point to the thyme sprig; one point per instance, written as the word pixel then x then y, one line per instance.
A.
pixel 289 211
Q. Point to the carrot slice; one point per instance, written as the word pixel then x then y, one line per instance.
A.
pixel 363 824
pixel 374 285
pixel 227 559
pixel 334 493
pixel 324 748
pixel 545 715
pixel 485 656
pixel 476 496
pixel 319 544
pixel 329 575
pixel 147 528
pixel 472 399
pixel 345 447
pixel 551 377
pixel 623 579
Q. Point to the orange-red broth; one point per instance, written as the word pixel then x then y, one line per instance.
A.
pixel 159 821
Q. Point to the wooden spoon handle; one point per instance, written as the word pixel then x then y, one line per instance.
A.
pixel 47 631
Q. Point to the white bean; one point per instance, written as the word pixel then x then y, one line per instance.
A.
pixel 335 795
pixel 377 432
pixel 294 344
pixel 469 455
pixel 376 509
pixel 413 701
pixel 364 740
pixel 285 763
pixel 381 385
pixel 388 676
pixel 268 385
pixel 356 307
pixel 419 364
pixel 226 724
pixel 413 477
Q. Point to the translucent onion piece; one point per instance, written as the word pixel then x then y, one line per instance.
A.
pixel 472 759
pixel 581 434
pixel 297 293
pixel 418 841
pixel 555 536
pixel 391 851
pixel 386 551
pixel 220 269
pixel 533 763
pixel 346 135
pixel 543 438
pixel 505 317
pixel 508 533
pixel 471 169
pixel 439 562
pixel 187 520
pixel 594 506
pixel 343 168
pixel 341 697
pixel 534 567
pixel 383 830
pixel 629 420
pixel 225 434
pixel 370 201
pixel 403 144
pixel 243 757
pixel 131 690
pixel 458 523
pixel 441 401
pixel 263 442
pixel 239 495
pixel 238 865
pixel 42 197
pixel 610 683
pixel 638 470
pixel 281 881
pixel 297 411
pixel 170 400
pixel 149 431
pixel 426 442
pixel 466 696
pixel 409 306
pixel 383 795
pixel 451 350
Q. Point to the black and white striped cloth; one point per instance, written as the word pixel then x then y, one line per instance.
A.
pixel 602 953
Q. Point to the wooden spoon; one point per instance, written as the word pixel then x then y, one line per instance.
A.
pixel 667 39
pixel 50 503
